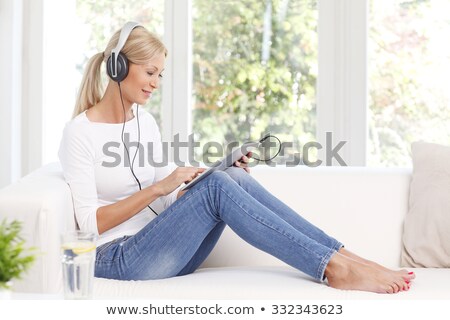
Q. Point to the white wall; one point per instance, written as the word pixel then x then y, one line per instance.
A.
pixel 10 90
pixel 32 85
pixel 21 88
pixel 36 82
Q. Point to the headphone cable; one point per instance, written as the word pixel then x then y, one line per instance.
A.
pixel 139 140
pixel 276 154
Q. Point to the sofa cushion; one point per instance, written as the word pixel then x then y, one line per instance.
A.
pixel 262 282
pixel 426 237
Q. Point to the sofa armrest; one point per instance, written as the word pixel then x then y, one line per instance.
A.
pixel 43 202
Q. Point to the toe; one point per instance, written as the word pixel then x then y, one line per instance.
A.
pixel 406 285
pixel 408 277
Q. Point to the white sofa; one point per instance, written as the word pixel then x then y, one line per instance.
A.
pixel 362 207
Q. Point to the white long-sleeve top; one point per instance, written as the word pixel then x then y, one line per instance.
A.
pixel 95 166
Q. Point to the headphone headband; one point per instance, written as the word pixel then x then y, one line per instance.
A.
pixel 124 34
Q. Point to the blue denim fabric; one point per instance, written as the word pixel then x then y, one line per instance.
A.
pixel 178 240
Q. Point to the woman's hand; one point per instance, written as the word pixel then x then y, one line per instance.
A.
pixel 177 177
pixel 243 162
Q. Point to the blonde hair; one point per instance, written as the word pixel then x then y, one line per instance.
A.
pixel 140 47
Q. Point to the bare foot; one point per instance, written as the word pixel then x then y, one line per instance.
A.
pixel 345 273
pixel 407 275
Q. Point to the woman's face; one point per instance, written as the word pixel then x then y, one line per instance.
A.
pixel 143 79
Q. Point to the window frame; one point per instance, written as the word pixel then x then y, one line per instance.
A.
pixel 342 89
pixel 176 96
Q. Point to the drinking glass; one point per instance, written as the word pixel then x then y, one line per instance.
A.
pixel 78 261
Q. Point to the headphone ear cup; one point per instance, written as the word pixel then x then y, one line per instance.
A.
pixel 122 68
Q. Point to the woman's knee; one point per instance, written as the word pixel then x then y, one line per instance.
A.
pixel 218 181
pixel 237 174
pixel 219 177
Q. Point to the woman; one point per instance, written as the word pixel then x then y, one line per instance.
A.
pixel 114 199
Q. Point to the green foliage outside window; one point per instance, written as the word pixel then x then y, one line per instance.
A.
pixel 255 70
pixel 409 64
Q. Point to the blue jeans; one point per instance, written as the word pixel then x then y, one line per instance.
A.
pixel 179 239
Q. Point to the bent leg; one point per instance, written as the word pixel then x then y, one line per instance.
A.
pixel 344 270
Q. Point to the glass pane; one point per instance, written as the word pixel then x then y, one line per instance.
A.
pixel 98 20
pixel 408 77
pixel 255 71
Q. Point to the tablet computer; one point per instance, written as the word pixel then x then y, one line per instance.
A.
pixel 224 163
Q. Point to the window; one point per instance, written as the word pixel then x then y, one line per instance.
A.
pixel 255 69
pixel 409 68
pixel 254 72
